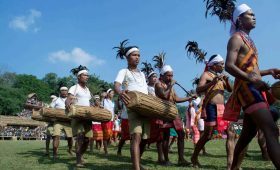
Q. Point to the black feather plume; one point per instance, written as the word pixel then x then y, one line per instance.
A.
pixel 199 54
pixel 221 8
pixel 159 59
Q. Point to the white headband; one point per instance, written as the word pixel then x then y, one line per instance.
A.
pixel 215 60
pixel 151 73
pixel 81 72
pixel 96 97
pixel 108 91
pixel 131 51
pixel 63 88
pixel 165 69
pixel 236 13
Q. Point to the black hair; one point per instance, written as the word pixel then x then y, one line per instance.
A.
pixel 75 71
pixel 122 49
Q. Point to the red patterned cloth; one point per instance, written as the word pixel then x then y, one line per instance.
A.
pixel 97 132
pixel 107 128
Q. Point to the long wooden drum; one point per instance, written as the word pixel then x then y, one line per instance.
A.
pixel 90 113
pixel 57 114
pixel 36 115
pixel 151 106
pixel 275 90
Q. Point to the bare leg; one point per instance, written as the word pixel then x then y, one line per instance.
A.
pixel 85 145
pixel 181 147
pixel 143 144
pixel 135 150
pixel 70 145
pixel 121 143
pixel 262 144
pixel 48 140
pixel 203 149
pixel 79 149
pixel 230 144
pixel 91 142
pixel 160 151
pixel 55 146
pixel 200 144
pixel 247 134
pixel 105 143
pixel 171 143
pixel 166 135
pixel 265 122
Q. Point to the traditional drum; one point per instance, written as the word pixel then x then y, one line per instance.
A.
pixel 151 106
pixel 89 113
pixel 36 115
pixel 57 114
pixel 275 90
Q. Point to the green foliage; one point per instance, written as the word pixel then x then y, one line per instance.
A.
pixel 30 84
pixel 11 100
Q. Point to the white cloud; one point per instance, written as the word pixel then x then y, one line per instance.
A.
pixel 24 22
pixel 77 56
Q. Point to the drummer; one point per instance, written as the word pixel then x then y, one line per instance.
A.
pixel 59 103
pixel 133 80
pixel 164 90
pixel 80 95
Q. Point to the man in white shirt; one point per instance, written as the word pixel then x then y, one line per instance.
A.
pixel 80 95
pixel 133 80
pixel 59 103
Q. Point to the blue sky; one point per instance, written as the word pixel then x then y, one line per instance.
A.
pixel 38 37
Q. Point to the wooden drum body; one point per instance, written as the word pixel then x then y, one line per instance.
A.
pixel 151 106
pixel 89 113
pixel 56 114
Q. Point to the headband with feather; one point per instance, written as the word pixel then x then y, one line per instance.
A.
pixel 221 8
pixel 159 59
pixel 199 54
pixel 75 71
pixel 147 69
pixel 123 51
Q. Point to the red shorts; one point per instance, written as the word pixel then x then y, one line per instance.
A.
pixel 125 135
pixel 97 132
pixel 107 128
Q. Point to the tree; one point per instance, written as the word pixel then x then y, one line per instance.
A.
pixel 30 84
pixel 7 79
pixel 11 100
pixel 52 80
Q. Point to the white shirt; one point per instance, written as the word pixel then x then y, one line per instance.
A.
pixel 135 81
pixel 151 90
pixel 59 103
pixel 82 95
pixel 109 105
pixel 117 125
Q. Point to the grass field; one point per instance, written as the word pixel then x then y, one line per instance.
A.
pixel 27 155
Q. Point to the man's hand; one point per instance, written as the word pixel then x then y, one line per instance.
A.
pixel 275 73
pixel 124 97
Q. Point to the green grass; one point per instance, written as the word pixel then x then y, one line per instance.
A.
pixel 23 155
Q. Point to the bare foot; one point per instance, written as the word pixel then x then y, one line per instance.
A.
pixel 195 163
pixel 184 163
